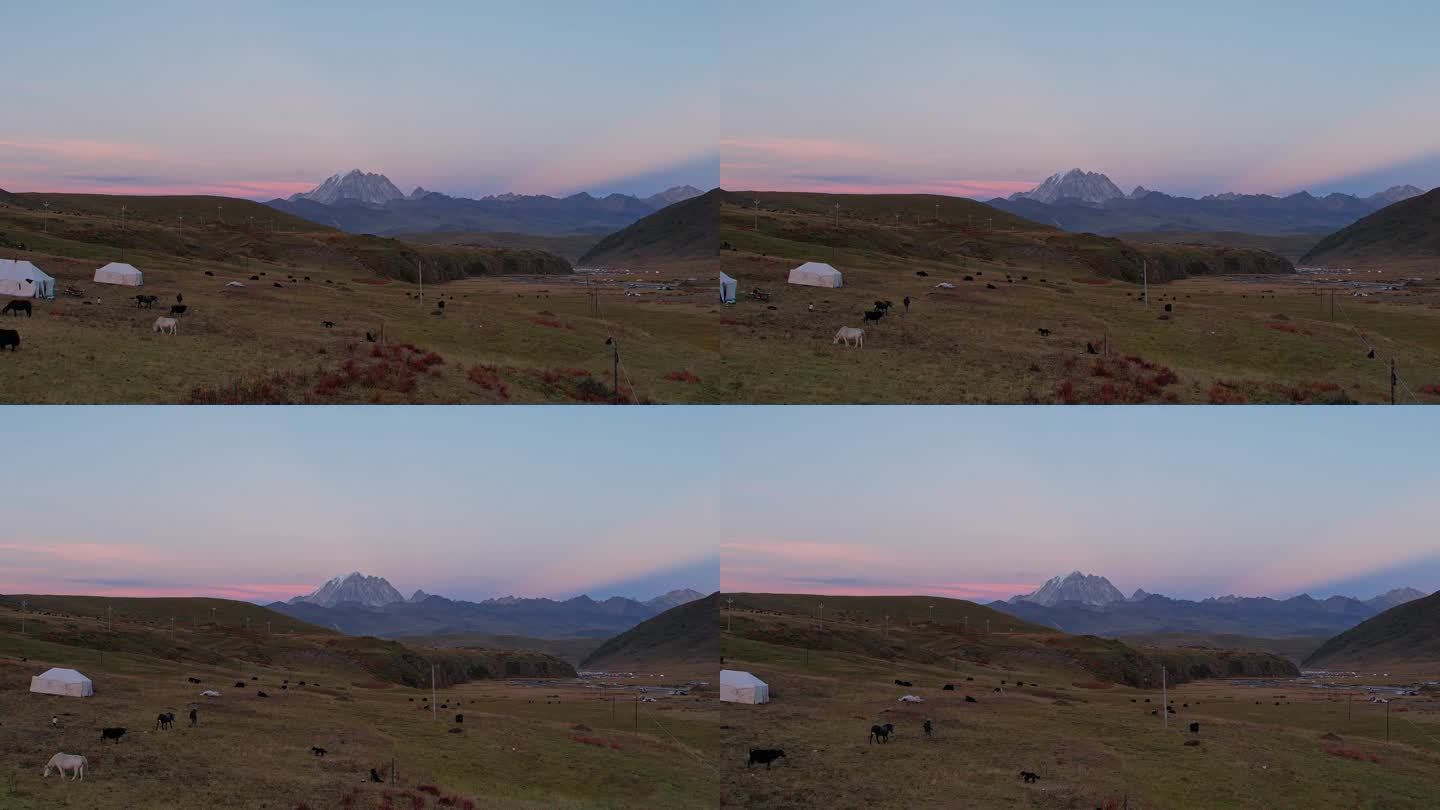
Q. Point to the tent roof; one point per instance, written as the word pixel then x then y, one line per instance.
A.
pixel 818 267
pixel 735 677
pixel 121 267
pixel 724 278
pixel 62 674
pixel 10 268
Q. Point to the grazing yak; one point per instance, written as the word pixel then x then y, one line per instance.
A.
pixel 18 307
pixel 1194 728
pixel 881 733
pixel 1029 776
pixel 375 776
pixel 261 694
pixel 969 699
pixel 949 687
pixel 849 334
pixel 10 338
pixel 112 734
pixel 459 718
pixel 328 324
pixel 239 684
pixel 146 300
pixel 899 682
pixel 193 680
pixel 164 326
pixel 164 720
pixel 1043 332
pixel 317 751
pixel 875 315
pixel 179 309
pixel 74 763
pixel 765 756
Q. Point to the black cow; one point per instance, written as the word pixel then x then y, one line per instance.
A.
pixel 194 719
pixel 18 307
pixel 164 720
pixel 921 273
pixel 193 680
pixel 1169 307
pixel 239 684
pixel 1043 332
pixel 881 733
pixel 111 734
pixel 146 300
pixel 459 718
pixel 328 324
pixel 11 338
pixel 277 284
pixel 990 287
pixel 178 309
pixel 261 694
pixel 875 315
pixel 1029 776
pixel 317 751
pixel 254 278
pixel 969 699
pixel 1194 728
pixel 764 755
pixel 949 687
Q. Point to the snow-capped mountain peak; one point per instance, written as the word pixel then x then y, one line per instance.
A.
pixel 372 189
pixel 1074 587
pixel 353 587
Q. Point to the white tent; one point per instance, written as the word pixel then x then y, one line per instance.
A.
pixel 728 286
pixel 25 280
pixel 815 274
pixel 742 687
pixel 117 273
pixel 57 681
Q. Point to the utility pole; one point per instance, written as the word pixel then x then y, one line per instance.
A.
pixel 47 218
pixel 172 629
pixel 1145 278
pixel 23 605
pixel 434 713
pixel 420 276
pixel 932 614
pixel 1393 378
pixel 1387 721
pixel 1164 704
pixel 122 217
pixel 615 366
pixel 637 714
pixel 730 617
pixel 757 214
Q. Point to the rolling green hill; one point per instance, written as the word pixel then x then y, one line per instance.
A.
pixel 689 633
pixel 1290 246
pixel 899 628
pixel 676 233
pixel 84 630
pixel 1408 229
pixel 167 210
pixel 1408 633
pixel 570 650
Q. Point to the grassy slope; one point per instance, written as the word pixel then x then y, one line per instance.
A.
pixel 1292 246
pixel 1295 649
pixel 571 650
pixel 1406 230
pixel 1093 747
pixel 679 233
pixel 685 634
pixel 1408 633
pixel 263 344
pixel 249 752
pixel 1224 341
pixel 570 247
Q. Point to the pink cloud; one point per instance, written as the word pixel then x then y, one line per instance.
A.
pixel 248 592
pixel 245 189
pixel 78 149
pixel 85 552
pixel 802 551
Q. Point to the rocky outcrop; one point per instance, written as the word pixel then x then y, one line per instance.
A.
pixel 1090 187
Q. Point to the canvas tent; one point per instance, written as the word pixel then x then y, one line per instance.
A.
pixel 728 286
pixel 25 280
pixel 742 687
pixel 815 274
pixel 117 273
pixel 57 681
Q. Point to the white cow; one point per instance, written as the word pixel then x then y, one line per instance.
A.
pixel 849 333
pixel 163 325
pixel 67 762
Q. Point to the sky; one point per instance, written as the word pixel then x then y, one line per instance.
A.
pixel 987 503
pixel 269 98
pixel 263 504
pixel 985 99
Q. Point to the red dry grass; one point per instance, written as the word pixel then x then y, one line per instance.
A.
pixel 1285 327
pixel 1223 393
pixel 1100 369
pixel 552 323
pixel 431 789
pixel 1433 389
pixel 681 376
pixel 727 321
pixel 1350 753
pixel 488 377
pixel 1065 392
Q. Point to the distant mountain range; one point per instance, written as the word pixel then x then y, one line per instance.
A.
pixel 1409 229
pixel 360 605
pixel 1406 633
pixel 1087 604
pixel 685 231
pixel 687 633
pixel 1081 201
pixel 362 202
